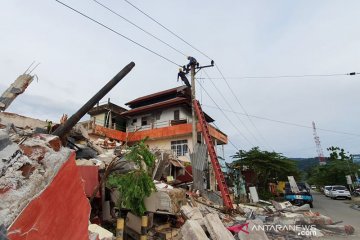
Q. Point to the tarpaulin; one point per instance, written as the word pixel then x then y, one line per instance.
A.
pixel 60 212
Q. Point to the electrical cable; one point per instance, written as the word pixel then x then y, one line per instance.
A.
pixel 284 76
pixel 291 76
pixel 229 105
pixel 167 29
pixel 228 138
pixel 116 32
pixel 137 26
pixel 225 115
pixel 242 107
pixel 176 35
pixel 287 123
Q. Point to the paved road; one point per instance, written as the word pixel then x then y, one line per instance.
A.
pixel 338 210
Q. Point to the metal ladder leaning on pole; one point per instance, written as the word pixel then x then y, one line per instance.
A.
pixel 213 156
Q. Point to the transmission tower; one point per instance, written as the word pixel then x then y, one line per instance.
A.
pixel 318 147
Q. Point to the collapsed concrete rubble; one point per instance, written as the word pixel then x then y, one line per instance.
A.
pixel 38 175
pixel 40 189
pixel 54 187
pixel 259 222
pixel 32 166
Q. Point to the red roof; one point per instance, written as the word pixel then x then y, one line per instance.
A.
pixel 151 107
pixel 156 95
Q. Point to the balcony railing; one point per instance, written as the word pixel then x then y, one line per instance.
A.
pixel 158 124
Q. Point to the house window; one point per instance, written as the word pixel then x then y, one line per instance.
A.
pixel 134 121
pixel 144 121
pixel 157 115
pixel 180 147
pixel 176 115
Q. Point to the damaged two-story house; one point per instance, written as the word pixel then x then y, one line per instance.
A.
pixel 164 118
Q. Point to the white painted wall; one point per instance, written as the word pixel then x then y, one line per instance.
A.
pixel 165 144
pixel 99 119
pixel 165 117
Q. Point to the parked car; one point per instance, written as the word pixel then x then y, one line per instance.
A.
pixel 313 187
pixel 339 191
pixel 327 190
pixel 299 198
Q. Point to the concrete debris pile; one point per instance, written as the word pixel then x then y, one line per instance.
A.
pixel 166 198
pixel 26 169
pixel 201 219
pixel 40 186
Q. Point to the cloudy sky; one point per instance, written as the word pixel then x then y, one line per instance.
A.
pixel 245 39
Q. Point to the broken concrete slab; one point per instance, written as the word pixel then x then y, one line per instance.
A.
pixel 16 88
pixel 342 229
pixel 254 195
pixel 20 189
pixel 166 199
pixel 249 208
pixel 102 233
pixel 192 230
pixel 216 228
pixel 281 205
pixel 252 231
pixel 303 208
pixel 317 218
pixel 21 121
pixel 191 212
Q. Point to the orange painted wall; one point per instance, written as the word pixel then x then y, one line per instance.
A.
pixel 60 212
pixel 157 133
pixel 110 133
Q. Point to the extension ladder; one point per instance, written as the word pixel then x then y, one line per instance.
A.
pixel 213 156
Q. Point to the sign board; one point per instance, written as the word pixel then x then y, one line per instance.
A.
pixel 293 185
pixel 356 158
pixel 254 195
pixel 348 179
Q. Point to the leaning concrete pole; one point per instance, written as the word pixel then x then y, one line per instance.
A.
pixel 70 123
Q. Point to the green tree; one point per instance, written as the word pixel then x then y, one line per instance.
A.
pixel 136 185
pixel 339 165
pixel 267 167
pixel 337 153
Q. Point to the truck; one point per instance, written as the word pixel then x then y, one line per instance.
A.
pixel 299 198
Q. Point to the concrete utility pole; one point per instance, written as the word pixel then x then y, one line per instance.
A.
pixel 193 96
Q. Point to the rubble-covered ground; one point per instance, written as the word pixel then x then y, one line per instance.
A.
pixel 29 161
pixel 28 164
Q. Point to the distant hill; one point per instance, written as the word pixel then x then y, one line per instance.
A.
pixel 305 163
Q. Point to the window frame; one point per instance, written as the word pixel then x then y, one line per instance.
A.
pixel 180 147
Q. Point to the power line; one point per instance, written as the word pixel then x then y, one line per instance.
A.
pixel 225 115
pixel 287 123
pixel 137 26
pixel 116 32
pixel 242 107
pixel 176 35
pixel 228 139
pixel 229 105
pixel 291 76
pixel 167 29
